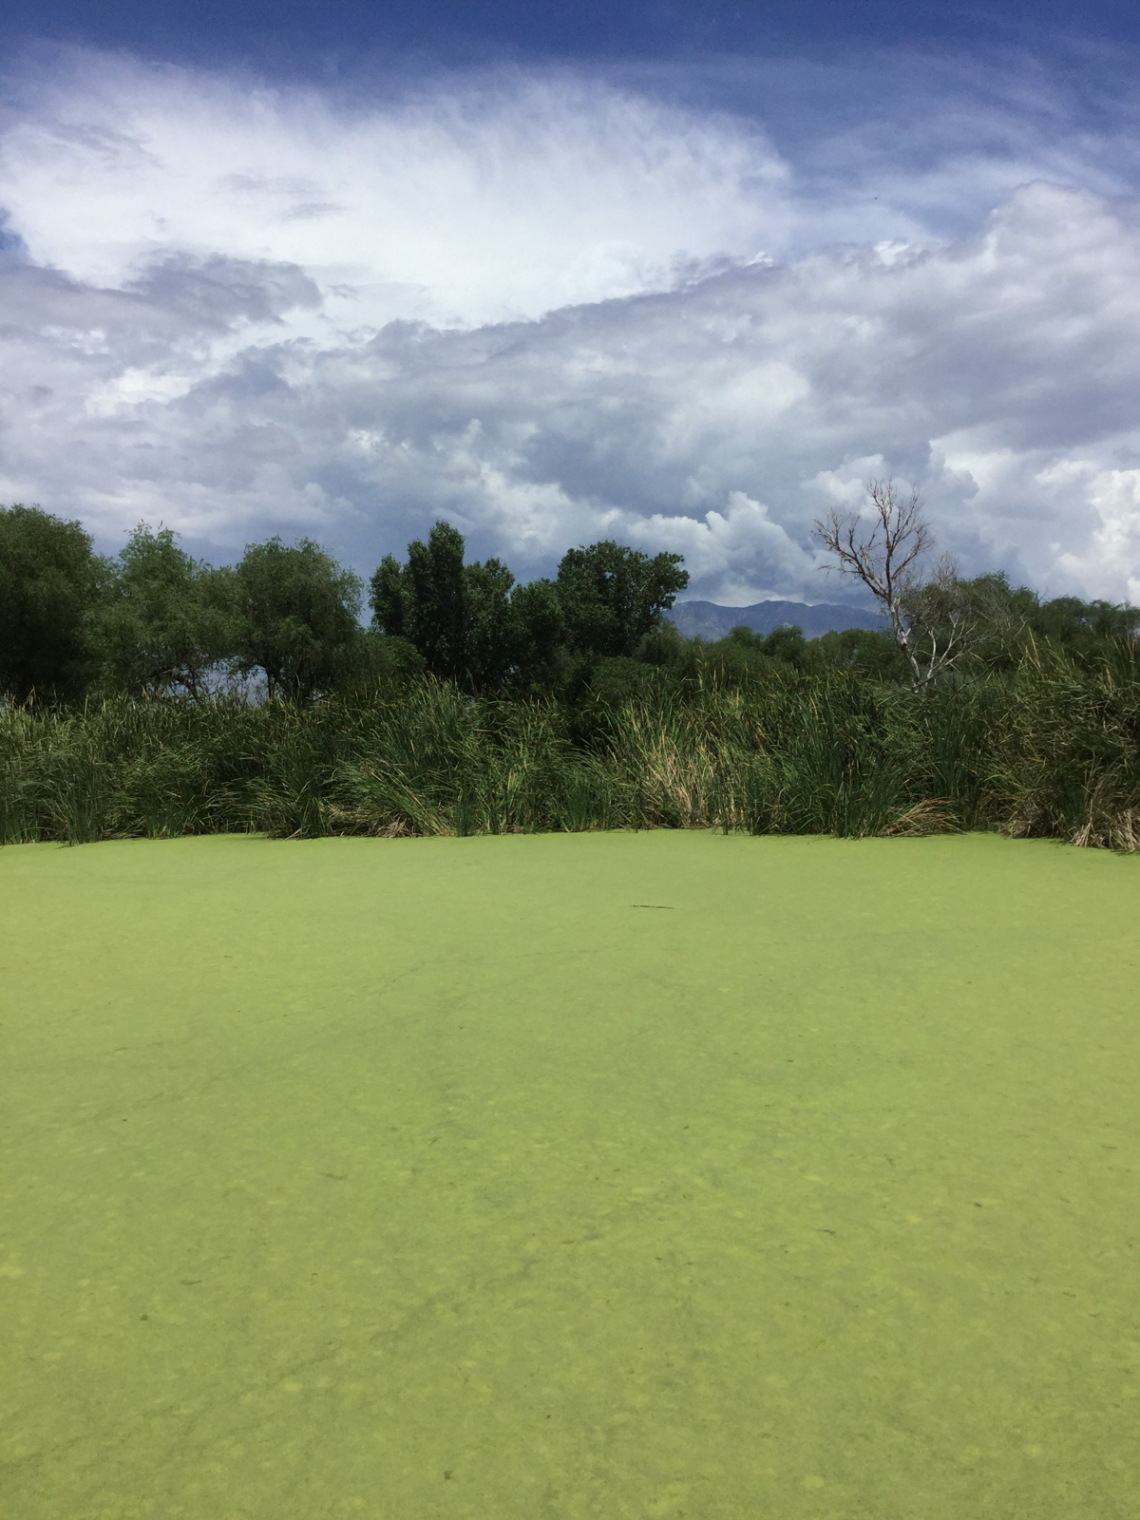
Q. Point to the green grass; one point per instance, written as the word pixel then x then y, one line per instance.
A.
pixel 579 1175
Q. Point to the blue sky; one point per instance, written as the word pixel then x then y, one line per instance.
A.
pixel 309 35
pixel 682 276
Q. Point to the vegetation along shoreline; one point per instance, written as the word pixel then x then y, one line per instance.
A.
pixel 159 696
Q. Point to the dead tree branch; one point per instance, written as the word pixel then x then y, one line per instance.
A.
pixel 882 547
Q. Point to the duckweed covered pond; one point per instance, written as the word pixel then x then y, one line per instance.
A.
pixel 561 1176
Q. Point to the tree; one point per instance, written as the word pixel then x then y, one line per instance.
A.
pixel 538 636
pixel 436 598
pixel 379 663
pixel 297 617
pixel 986 615
pixel 882 548
pixel 426 601
pixel 471 623
pixel 612 596
pixel 745 657
pixel 474 625
pixel 490 644
pixel 787 643
pixel 50 581
pixel 166 620
pixel 1083 629
pixel 387 596
pixel 869 651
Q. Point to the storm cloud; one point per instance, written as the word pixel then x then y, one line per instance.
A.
pixel 550 310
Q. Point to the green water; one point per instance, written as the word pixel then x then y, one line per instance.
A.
pixel 569 1176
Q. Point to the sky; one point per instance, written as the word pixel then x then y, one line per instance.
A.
pixel 683 276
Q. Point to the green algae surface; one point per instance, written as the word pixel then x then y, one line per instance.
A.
pixel 569 1176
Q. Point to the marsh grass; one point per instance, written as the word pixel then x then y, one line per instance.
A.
pixel 1049 750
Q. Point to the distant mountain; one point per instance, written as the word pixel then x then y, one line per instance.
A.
pixel 707 620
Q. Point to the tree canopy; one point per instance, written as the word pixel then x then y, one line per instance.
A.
pixel 153 620
pixel 475 625
pixel 49 579
pixel 611 596
pixel 164 620
pixel 297 615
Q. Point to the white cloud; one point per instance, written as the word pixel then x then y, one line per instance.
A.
pixel 485 200
pixel 181 342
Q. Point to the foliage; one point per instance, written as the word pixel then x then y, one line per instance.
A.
pixel 869 652
pixel 471 623
pixel 476 627
pixel 1081 628
pixel 297 618
pixel 539 637
pixel 1068 764
pixel 165 621
pixel 379 665
pixel 1051 749
pixel 49 583
pixel 474 704
pixel 611 596
pixel 425 601
pixel 1006 622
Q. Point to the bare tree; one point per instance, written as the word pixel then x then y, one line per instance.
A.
pixel 882 547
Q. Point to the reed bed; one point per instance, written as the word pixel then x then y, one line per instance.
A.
pixel 1049 750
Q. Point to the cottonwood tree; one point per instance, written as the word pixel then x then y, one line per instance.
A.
pixel 883 547
pixel 472 624
pixel 50 580
pixel 297 618
pixel 612 596
pixel 165 620
pixel 459 617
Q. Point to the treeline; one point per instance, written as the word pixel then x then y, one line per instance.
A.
pixel 473 704
pixel 156 622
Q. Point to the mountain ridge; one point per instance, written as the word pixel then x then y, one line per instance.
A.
pixel 711 621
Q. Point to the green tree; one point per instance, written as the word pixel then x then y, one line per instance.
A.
pixel 167 619
pixel 437 601
pixel 50 581
pixel 379 663
pixel 538 635
pixel 491 642
pixel 983 619
pixel 388 598
pixel 1082 628
pixel 740 659
pixel 871 652
pixel 474 625
pixel 787 643
pixel 471 623
pixel 1001 620
pixel 612 596
pixel 426 601
pixel 297 618
pixel 664 645
pixel 619 679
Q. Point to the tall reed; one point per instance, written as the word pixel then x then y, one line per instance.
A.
pixel 1051 749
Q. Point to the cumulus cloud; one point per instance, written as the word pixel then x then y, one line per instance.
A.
pixel 538 311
